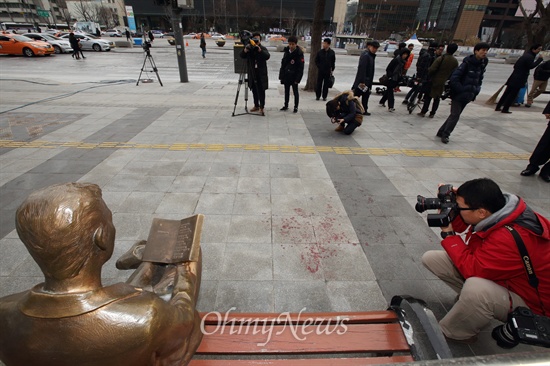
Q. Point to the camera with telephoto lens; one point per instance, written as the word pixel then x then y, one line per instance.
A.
pixel 247 39
pixel 445 202
pixel 523 326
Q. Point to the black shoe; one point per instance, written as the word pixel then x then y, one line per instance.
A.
pixel 366 114
pixel 529 171
pixel 405 102
pixel 545 177
pixel 507 112
pixel 324 99
pixel 295 110
pixel 285 108
pixel 497 109
pixel 317 98
pixel 431 115
pixel 439 134
pixel 445 140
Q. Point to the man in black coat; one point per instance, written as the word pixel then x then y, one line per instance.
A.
pixel 465 86
pixel 325 60
pixel 292 70
pixel 541 155
pixel 518 78
pixel 365 74
pixel 256 57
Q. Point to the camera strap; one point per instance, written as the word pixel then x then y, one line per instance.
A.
pixel 526 260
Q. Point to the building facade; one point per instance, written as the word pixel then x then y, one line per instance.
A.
pixel 44 12
pixel 381 18
pixel 231 16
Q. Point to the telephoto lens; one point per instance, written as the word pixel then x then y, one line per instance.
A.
pixel 504 336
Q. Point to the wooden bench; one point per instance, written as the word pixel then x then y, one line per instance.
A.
pixel 319 339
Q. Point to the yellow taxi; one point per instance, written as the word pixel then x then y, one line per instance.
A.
pixel 15 44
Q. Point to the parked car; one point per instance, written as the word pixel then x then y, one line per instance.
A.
pixel 113 33
pixel 198 35
pixel 216 36
pixel 59 45
pixel 16 44
pixel 190 35
pixel 158 33
pixel 90 42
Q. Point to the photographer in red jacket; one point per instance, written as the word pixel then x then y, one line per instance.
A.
pixel 485 266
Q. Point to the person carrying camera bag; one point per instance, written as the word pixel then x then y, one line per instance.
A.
pixel 485 266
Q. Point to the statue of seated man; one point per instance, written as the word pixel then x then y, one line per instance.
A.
pixel 72 319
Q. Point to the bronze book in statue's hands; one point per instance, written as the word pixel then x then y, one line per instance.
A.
pixel 174 241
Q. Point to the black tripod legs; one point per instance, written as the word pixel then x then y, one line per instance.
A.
pixel 153 66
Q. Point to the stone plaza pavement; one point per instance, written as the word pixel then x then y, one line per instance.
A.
pixel 297 215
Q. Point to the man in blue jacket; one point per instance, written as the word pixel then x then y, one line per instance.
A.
pixel 465 86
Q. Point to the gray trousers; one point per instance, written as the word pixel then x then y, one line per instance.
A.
pixel 449 125
pixel 479 302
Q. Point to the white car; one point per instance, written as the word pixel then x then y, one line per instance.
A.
pixel 190 35
pixel 113 33
pixel 216 36
pixel 90 42
pixel 59 45
pixel 158 33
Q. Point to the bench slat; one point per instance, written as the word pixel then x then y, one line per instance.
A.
pixel 357 338
pixel 305 362
pixel 300 318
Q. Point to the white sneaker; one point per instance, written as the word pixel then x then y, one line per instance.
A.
pixel 391 110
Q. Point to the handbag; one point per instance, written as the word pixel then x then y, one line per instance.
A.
pixel 331 81
pixel 383 79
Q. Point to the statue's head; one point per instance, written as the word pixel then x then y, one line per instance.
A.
pixel 65 227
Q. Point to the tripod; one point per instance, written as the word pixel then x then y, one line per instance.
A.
pixel 153 65
pixel 243 78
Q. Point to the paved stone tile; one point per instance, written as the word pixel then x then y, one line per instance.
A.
pixel 293 296
pixel 254 203
pixel 345 262
pixel 289 204
pixel 249 229
pixel 188 184
pixel 322 205
pixel 284 171
pixel 207 296
pixel 215 203
pixel 333 230
pixel 287 186
pixel 224 170
pixel 184 204
pixel 318 187
pixel 355 295
pixel 141 202
pixel 166 168
pixel 255 170
pixel 296 262
pixel 216 184
pixel 294 229
pixel 245 262
pixel 254 185
pixel 131 226
pixel 215 228
pixel 156 184
pixel 13 255
pixel 245 296
pixel 123 183
pixel 195 168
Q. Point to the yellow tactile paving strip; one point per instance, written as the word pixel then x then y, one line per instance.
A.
pixel 40 144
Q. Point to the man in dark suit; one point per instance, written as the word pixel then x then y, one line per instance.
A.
pixel 365 74
pixel 518 78
pixel 541 155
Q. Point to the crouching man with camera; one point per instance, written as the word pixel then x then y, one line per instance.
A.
pixel 495 267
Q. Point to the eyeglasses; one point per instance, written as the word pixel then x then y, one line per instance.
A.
pixel 467 208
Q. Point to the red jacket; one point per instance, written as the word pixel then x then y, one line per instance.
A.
pixel 493 254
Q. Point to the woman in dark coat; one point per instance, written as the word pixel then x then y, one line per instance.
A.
pixel 394 72
pixel 292 70
pixel 203 45
pixel 518 78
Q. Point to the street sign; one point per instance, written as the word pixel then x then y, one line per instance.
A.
pixel 43 13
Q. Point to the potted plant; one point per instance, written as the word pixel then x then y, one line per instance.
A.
pixel 220 42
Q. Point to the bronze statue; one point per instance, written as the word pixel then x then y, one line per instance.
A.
pixel 71 319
